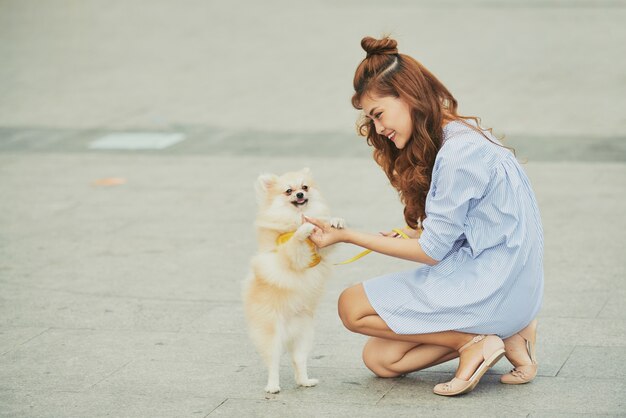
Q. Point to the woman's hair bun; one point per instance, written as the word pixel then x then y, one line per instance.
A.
pixel 385 46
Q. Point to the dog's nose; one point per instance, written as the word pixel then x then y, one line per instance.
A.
pixel 299 195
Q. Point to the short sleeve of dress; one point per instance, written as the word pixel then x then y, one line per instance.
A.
pixel 460 175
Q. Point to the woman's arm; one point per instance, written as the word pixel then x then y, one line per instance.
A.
pixel 408 249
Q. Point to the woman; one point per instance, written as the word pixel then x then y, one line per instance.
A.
pixel 473 221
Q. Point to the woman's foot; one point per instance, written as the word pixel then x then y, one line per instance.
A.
pixel 520 351
pixel 475 358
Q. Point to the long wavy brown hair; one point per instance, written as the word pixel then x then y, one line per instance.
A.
pixel 385 72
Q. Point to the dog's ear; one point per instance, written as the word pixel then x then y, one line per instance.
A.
pixel 264 182
pixel 306 171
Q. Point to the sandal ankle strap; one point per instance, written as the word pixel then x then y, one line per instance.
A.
pixel 472 341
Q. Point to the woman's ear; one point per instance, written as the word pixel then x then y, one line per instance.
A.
pixel 263 183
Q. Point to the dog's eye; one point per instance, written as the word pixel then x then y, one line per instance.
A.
pixel 305 188
pixel 288 192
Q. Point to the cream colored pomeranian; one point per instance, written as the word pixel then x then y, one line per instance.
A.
pixel 287 274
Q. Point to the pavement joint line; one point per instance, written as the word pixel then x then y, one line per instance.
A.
pixel 24 342
pixel 394 383
pixel 606 302
pixel 222 403
pixel 564 362
pixel 109 375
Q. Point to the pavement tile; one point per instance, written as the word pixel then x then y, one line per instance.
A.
pixel 595 362
pixel 233 349
pixel 74 360
pixel 578 304
pixel 108 267
pixel 219 317
pixel 55 404
pixel 149 273
pixel 605 332
pixel 24 306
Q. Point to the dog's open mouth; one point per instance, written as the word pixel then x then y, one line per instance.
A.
pixel 300 202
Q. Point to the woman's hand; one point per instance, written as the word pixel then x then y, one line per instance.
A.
pixel 324 234
pixel 409 249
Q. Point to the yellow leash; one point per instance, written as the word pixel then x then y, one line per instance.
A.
pixel 316 258
pixel 366 252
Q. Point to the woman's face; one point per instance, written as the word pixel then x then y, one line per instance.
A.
pixel 391 117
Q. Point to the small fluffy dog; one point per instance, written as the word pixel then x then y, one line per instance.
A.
pixel 287 274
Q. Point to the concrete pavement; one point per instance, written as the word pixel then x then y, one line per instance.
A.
pixel 123 300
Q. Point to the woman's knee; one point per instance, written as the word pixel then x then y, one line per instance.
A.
pixel 373 360
pixel 347 307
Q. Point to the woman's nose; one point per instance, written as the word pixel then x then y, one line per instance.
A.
pixel 379 127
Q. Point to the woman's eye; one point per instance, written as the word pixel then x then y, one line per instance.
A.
pixel 305 188
pixel 288 192
pixel 377 115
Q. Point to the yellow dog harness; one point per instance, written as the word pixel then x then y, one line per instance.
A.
pixel 315 257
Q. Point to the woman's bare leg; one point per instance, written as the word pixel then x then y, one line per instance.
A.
pixel 390 358
pixel 358 315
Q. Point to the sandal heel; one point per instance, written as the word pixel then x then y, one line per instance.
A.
pixel 524 374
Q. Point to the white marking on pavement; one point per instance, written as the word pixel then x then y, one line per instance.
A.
pixel 137 140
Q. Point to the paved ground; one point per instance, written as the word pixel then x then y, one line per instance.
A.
pixel 124 300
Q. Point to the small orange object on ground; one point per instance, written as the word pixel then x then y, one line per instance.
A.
pixel 110 181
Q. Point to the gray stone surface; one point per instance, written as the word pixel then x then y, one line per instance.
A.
pixel 587 396
pixel 125 300
pixel 92 403
pixel 596 362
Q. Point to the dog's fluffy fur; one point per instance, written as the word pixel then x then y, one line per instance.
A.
pixel 281 292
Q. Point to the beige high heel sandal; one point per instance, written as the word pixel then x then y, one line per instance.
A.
pixel 493 350
pixel 524 374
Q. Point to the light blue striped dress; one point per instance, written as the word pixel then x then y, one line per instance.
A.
pixel 483 223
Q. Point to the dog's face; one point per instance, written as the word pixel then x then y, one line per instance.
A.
pixel 292 192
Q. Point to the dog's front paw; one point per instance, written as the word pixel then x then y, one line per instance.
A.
pixel 272 388
pixel 338 223
pixel 304 231
pixel 308 382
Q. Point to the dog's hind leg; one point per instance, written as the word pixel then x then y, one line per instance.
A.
pixel 273 360
pixel 301 330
